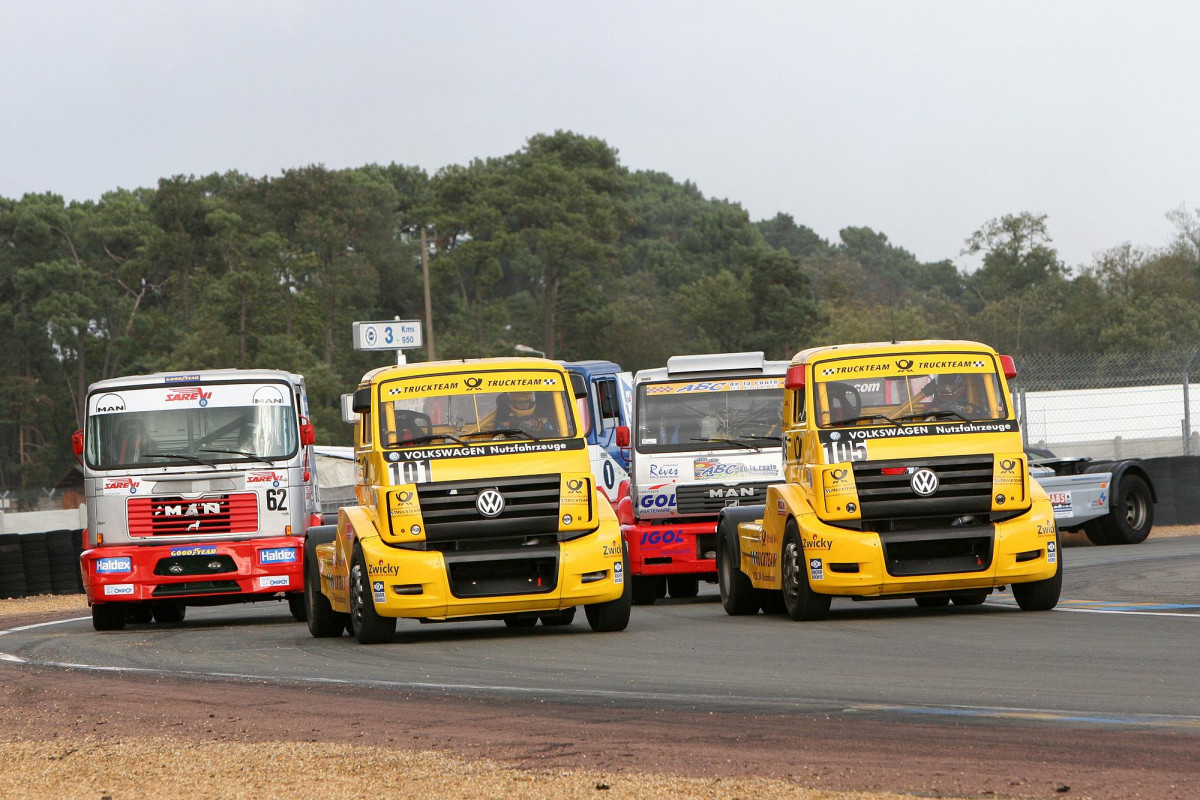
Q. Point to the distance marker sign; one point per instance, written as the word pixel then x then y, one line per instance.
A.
pixel 395 334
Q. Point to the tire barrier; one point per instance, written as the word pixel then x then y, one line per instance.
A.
pixel 40 563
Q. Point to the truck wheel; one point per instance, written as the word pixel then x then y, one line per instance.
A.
pixel 369 627
pixel 564 617
pixel 1041 595
pixel 323 621
pixel 1096 533
pixel 168 611
pixel 683 585
pixel 771 601
pixel 614 614
pixel 645 590
pixel 738 596
pixel 296 606
pixel 969 598
pixel 803 604
pixel 1131 514
pixel 108 616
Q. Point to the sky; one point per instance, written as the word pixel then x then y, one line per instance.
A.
pixel 920 120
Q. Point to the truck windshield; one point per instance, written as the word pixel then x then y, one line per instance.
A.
pixel 190 425
pixel 467 407
pixel 735 414
pixel 853 392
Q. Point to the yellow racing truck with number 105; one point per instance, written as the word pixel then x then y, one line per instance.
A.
pixel 475 502
pixel 904 477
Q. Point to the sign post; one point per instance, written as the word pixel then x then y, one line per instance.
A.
pixel 397 334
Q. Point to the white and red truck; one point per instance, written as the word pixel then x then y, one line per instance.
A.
pixel 705 435
pixel 199 487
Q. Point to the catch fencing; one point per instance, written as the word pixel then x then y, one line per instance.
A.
pixel 1110 405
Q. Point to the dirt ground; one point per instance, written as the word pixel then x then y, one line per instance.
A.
pixel 76 734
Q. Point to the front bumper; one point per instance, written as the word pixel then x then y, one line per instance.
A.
pixel 865 564
pixel 430 584
pixel 249 570
pixel 683 549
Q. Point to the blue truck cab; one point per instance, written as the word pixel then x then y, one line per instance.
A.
pixel 607 405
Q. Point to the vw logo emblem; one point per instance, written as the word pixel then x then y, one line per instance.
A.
pixel 490 503
pixel 924 482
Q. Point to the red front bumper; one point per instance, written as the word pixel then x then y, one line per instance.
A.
pixel 247 569
pixel 683 549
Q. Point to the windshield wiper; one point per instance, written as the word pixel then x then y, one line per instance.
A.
pixel 243 453
pixel 742 444
pixel 503 432
pixel 935 414
pixel 193 459
pixel 429 437
pixel 867 418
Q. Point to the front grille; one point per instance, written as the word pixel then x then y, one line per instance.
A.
pixel 938 551
pixel 194 565
pixel 449 511
pixel 527 570
pixel 710 498
pixel 195 587
pixel 176 516
pixel 964 487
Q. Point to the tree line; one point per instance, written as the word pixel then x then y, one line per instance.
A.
pixel 556 246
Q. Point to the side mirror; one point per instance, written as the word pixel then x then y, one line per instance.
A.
pixel 362 401
pixel 348 413
pixel 579 385
pixel 77 443
pixel 308 434
pixel 622 436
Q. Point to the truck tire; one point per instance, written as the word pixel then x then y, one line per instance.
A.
pixel 645 590
pixel 323 621
pixel 564 617
pixel 803 604
pixel 296 606
pixel 683 585
pixel 738 595
pixel 1131 514
pixel 168 611
pixel 108 616
pixel 1041 595
pixel 969 598
pixel 1096 533
pixel 369 626
pixel 613 615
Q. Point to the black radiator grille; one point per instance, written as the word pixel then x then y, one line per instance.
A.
pixel 964 487
pixel 531 505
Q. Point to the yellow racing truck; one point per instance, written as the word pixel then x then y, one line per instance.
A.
pixel 904 477
pixel 475 501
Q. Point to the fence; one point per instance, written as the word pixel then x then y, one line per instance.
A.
pixel 1111 405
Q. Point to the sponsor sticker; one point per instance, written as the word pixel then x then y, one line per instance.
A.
pixel 107 566
pixel 1063 505
pixel 194 550
pixel 121 485
pixel 264 478
pixel 118 590
pixel 780 508
pixel 273 581
pixel 277 555
pixel 618 572
pixel 192 394
pixel 1051 552
pixel 663 471
pixel 378 592
pixel 109 404
pixel 816 569
pixel 715 468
